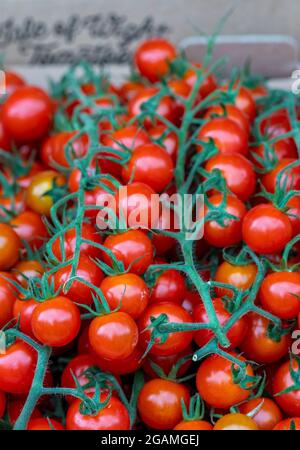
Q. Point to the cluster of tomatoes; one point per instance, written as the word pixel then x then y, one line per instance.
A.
pixel 140 328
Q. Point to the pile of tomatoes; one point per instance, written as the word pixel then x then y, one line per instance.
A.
pixel 140 328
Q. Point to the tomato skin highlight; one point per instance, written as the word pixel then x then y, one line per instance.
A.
pixel 240 277
pixel 159 403
pixel 113 336
pixel 169 287
pixel 56 322
pixel 266 229
pixel 152 56
pixel 235 421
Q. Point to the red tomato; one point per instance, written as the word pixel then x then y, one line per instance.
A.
pixel 68 240
pixel 293 423
pixel 152 58
pixel 121 366
pixel 78 291
pixel 177 341
pixel 193 425
pixel 77 367
pixel 168 139
pixel 231 232
pixel 289 402
pixel 190 301
pixel 129 89
pixel 128 292
pixel 236 333
pixel 241 277
pixel 268 415
pixel 216 385
pixel 2 403
pixel 4 137
pixel 114 416
pixel 13 81
pixel 226 134
pixel 159 403
pixel 169 287
pixel 17 366
pixel 230 111
pixel 22 311
pixel 282 150
pixel 10 246
pixel 290 178
pixel 113 336
pixel 7 298
pixel 27 114
pixel 165 107
pixel 56 322
pixel 30 227
pixel 149 164
pixel 266 229
pixel 167 363
pixel 258 346
pixel 61 147
pixel 133 248
pixel 44 423
pixel 293 213
pixel 278 294
pixel 208 84
pixel 238 172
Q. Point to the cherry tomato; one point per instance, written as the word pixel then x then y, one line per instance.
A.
pixel 36 194
pixel 215 383
pixel 241 277
pixel 128 291
pixel 293 213
pixel 27 114
pixel 44 423
pixel 208 84
pixel 77 367
pixel 235 334
pixel 121 366
pixel 129 89
pixel 159 403
pixel 258 346
pixel 238 172
pixel 235 421
pixel 113 416
pixel 230 111
pixel 231 232
pixel 152 58
pixel 193 425
pixel 175 342
pixel 268 415
pixel 227 135
pixel 278 294
pixel 17 366
pixel 10 245
pixel 293 423
pixel 169 287
pixel 78 291
pixel 59 148
pixel 290 179
pixel 289 402
pixel 8 296
pixel 266 229
pixel 68 241
pixel 22 311
pixel 167 138
pixel 25 270
pixel 149 164
pixel 56 322
pixel 30 228
pixel 133 248
pixel 113 336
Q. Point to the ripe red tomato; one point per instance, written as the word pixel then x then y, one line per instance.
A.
pixel 129 89
pixel 207 86
pixel 68 243
pixel 193 425
pixel 114 416
pixel 159 403
pixel 152 58
pixel 149 164
pixel 169 287
pixel 121 366
pixel 236 333
pixel 293 213
pixel 44 423
pixel 128 291
pixel 4 137
pixel 230 111
pixel 228 136
pixel 113 336
pixel 216 385
pixel 57 148
pixel 266 229
pixel 168 140
pixel 77 367
pixel 36 193
pixel 268 415
pixel 282 149
pixel 56 322
pixel 27 114
pixel 22 311
pixel 293 423
pixel 10 246
pixel 245 102
pixel 133 248
pixel 177 341
pixel 78 291
pixel 238 172
pixel 290 178
pixel 241 277
pixel 289 402
pixel 8 296
pixel 278 293
pixel 258 346
pixel 30 227
pixel 231 233
pixel 235 421
pixel 17 366
pixel 165 107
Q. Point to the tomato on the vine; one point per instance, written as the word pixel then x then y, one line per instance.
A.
pixel 38 193
pixel 10 246
pixel 268 414
pixel 289 402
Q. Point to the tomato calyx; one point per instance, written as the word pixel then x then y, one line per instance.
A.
pixel 195 410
